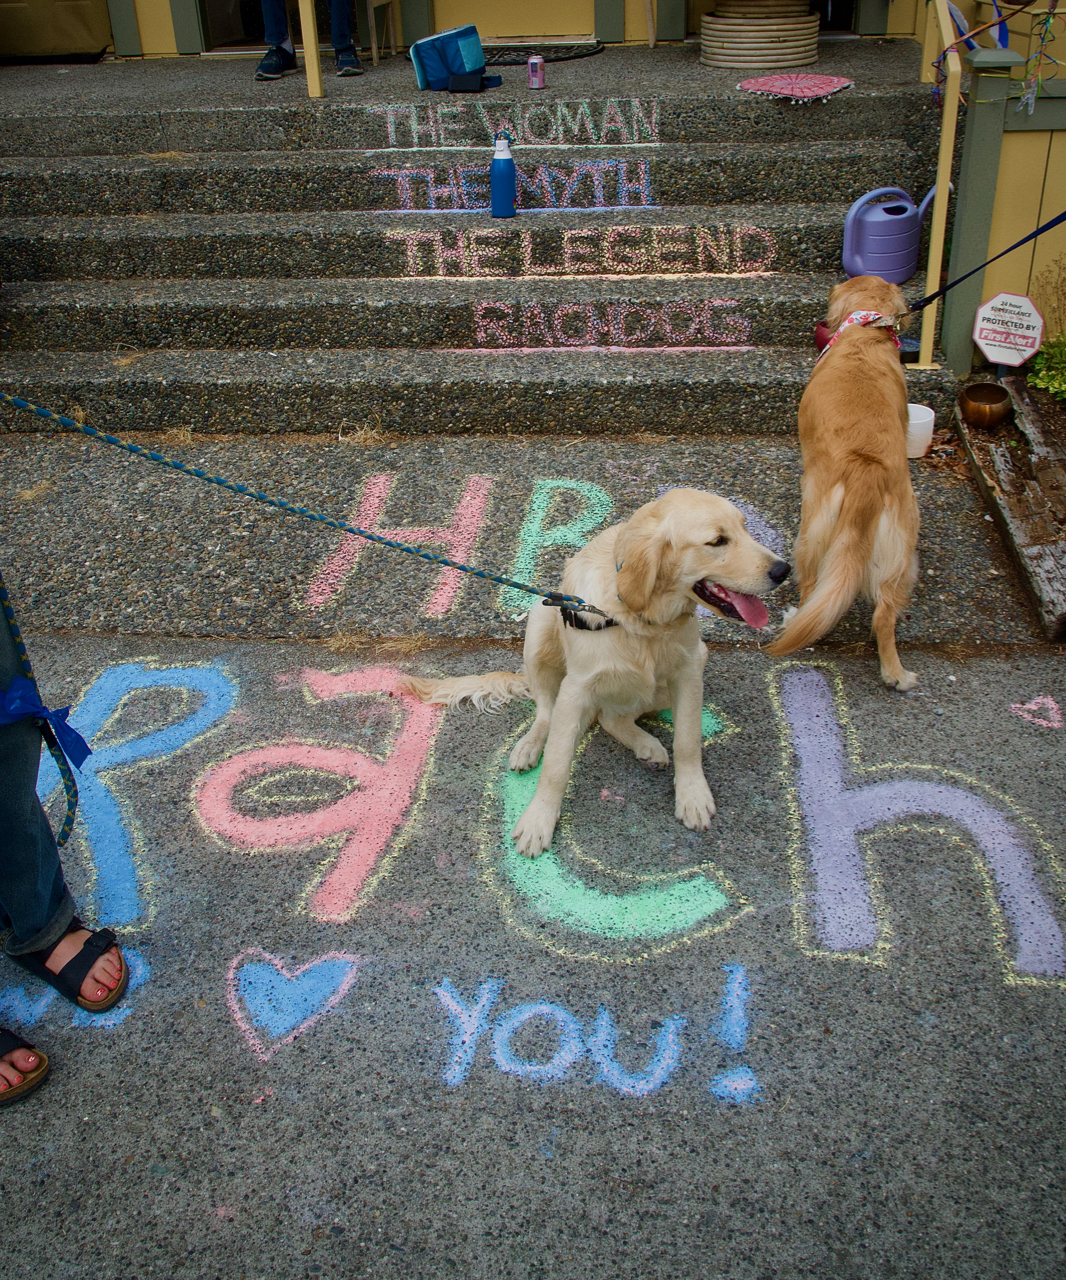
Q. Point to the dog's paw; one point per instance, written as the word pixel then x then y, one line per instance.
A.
pixel 652 753
pixel 533 832
pixel 904 682
pixel 526 752
pixel 695 806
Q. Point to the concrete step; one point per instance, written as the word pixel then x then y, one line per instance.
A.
pixel 719 240
pixel 454 178
pixel 552 392
pixel 155 553
pixel 625 96
pixel 779 310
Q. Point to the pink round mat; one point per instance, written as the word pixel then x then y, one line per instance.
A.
pixel 796 86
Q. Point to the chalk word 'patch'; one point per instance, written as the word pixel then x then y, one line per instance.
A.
pixel 367 817
pixel 831 809
pixel 623 251
pixel 617 324
pixel 273 1006
pixel 588 184
pixel 582 121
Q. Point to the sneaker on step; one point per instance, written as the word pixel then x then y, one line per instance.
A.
pixel 348 63
pixel 277 62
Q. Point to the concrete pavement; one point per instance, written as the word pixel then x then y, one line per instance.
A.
pixel 368 1039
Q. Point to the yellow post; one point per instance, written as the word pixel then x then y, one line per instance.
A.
pixel 312 62
pixel 949 119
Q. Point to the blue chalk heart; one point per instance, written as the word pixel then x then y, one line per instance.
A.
pixel 271 1004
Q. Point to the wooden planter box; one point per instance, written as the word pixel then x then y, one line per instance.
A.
pixel 1022 474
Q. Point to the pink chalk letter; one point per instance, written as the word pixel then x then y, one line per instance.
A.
pixel 456 539
pixel 366 816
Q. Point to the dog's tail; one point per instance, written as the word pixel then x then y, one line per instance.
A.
pixel 488 692
pixel 843 566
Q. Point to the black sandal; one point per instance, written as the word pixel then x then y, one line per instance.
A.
pixel 31 1080
pixel 69 979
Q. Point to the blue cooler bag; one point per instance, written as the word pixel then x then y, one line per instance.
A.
pixel 453 55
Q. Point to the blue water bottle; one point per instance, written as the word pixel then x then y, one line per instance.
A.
pixel 503 185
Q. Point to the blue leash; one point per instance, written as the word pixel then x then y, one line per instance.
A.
pixel 555 598
pixel 927 301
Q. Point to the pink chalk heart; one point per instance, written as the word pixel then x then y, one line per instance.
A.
pixel 273 1006
pixel 1042 703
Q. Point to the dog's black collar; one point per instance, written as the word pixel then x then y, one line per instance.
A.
pixel 572 618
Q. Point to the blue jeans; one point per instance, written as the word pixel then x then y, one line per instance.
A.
pixel 276 22
pixel 35 903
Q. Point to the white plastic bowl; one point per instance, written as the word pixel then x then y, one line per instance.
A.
pixel 920 422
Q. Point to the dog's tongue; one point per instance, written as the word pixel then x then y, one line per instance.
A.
pixel 750 608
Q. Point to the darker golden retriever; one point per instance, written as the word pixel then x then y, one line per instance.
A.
pixel 859 522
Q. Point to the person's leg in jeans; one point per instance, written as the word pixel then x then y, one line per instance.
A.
pixel 280 57
pixel 276 24
pixel 347 58
pixel 36 907
pixel 35 904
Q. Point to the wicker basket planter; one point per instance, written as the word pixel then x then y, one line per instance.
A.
pixel 764 42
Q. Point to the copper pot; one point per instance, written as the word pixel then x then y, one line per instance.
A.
pixel 985 404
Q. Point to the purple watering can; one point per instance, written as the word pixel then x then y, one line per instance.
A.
pixel 882 239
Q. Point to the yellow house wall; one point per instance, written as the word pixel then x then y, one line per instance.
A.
pixel 510 19
pixel 637 21
pixel 1031 189
pixel 903 17
pixel 155 27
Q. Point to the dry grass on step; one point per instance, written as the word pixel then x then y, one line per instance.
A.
pixel 369 434
pixel 400 646
pixel 35 491
pixel 176 437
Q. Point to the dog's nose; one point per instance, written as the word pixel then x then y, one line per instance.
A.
pixel 778 572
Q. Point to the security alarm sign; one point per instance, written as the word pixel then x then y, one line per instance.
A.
pixel 1008 329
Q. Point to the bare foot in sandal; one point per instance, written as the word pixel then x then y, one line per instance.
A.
pixel 101 979
pixel 14 1066
pixel 23 1069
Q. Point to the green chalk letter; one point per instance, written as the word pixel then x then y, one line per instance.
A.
pixel 553 892
pixel 534 537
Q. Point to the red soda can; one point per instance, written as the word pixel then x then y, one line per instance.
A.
pixel 536 71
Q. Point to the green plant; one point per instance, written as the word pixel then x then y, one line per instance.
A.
pixel 1048 367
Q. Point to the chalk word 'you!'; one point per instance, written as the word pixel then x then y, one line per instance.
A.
pixel 594 184
pixel 594 1042
pixel 623 251
pixel 619 324
pixel 606 121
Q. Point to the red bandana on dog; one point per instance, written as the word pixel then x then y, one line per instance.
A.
pixel 869 320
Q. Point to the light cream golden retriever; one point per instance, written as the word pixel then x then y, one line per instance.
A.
pixel 859 523
pixel 648 575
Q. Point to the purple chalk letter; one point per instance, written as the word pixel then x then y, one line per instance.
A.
pixel 834 814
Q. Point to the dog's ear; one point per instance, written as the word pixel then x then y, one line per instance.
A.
pixel 638 552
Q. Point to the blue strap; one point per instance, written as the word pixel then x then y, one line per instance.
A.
pixel 23 701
